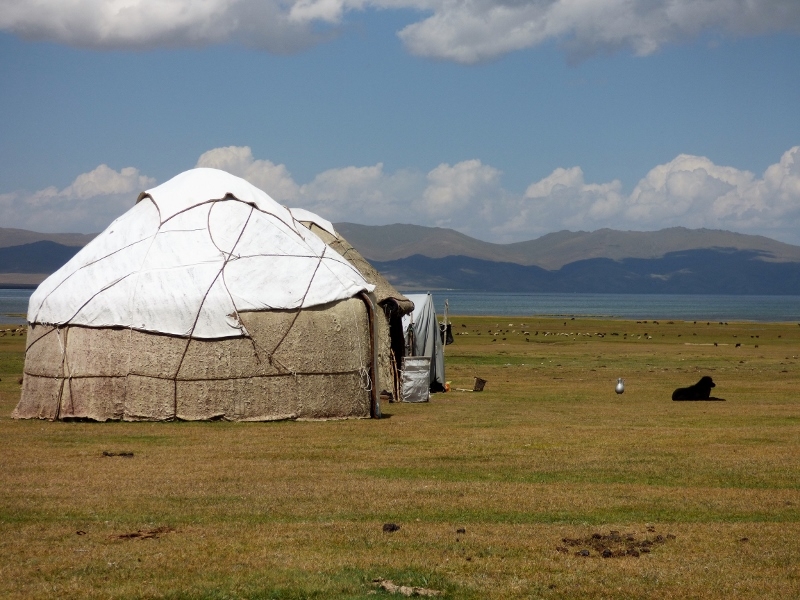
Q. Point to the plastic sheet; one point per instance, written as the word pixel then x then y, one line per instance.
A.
pixel 427 338
pixel 416 379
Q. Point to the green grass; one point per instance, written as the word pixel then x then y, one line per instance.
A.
pixel 547 451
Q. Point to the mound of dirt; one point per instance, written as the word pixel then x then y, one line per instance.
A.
pixel 614 544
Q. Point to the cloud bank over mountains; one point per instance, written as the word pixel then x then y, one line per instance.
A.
pixel 464 31
pixel 468 196
pixel 87 205
pixel 689 191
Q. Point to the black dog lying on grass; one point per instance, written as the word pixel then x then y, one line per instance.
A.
pixel 699 391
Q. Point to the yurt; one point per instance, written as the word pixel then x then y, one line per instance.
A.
pixel 206 300
pixel 390 339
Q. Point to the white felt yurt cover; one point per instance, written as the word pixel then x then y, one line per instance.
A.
pixel 188 257
pixel 303 215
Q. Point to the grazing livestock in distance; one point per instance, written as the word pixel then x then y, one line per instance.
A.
pixel 699 391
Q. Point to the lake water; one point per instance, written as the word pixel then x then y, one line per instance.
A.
pixel 13 302
pixel 623 306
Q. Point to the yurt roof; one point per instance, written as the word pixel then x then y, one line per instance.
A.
pixel 189 256
pixel 306 216
pixel 384 291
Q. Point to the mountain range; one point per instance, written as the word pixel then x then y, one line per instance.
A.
pixel 413 257
pixel 384 243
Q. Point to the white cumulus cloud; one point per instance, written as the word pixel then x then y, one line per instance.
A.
pixel 691 190
pixel 466 31
pixel 562 200
pixel 161 23
pixel 470 31
pixel 361 194
pixel 468 196
pixel 87 205
pixel 688 191
pixel 452 190
pixel 265 175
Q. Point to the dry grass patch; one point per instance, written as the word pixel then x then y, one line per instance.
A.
pixel 484 486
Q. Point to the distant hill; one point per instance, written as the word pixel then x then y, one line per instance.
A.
pixel 28 257
pixel 27 265
pixel 38 257
pixel 674 260
pixel 20 237
pixel 552 251
pixel 704 271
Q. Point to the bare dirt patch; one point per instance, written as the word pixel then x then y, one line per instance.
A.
pixel 144 534
pixel 614 544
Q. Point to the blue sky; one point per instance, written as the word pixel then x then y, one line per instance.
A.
pixel 502 120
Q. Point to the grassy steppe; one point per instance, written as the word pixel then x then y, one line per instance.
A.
pixel 548 451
